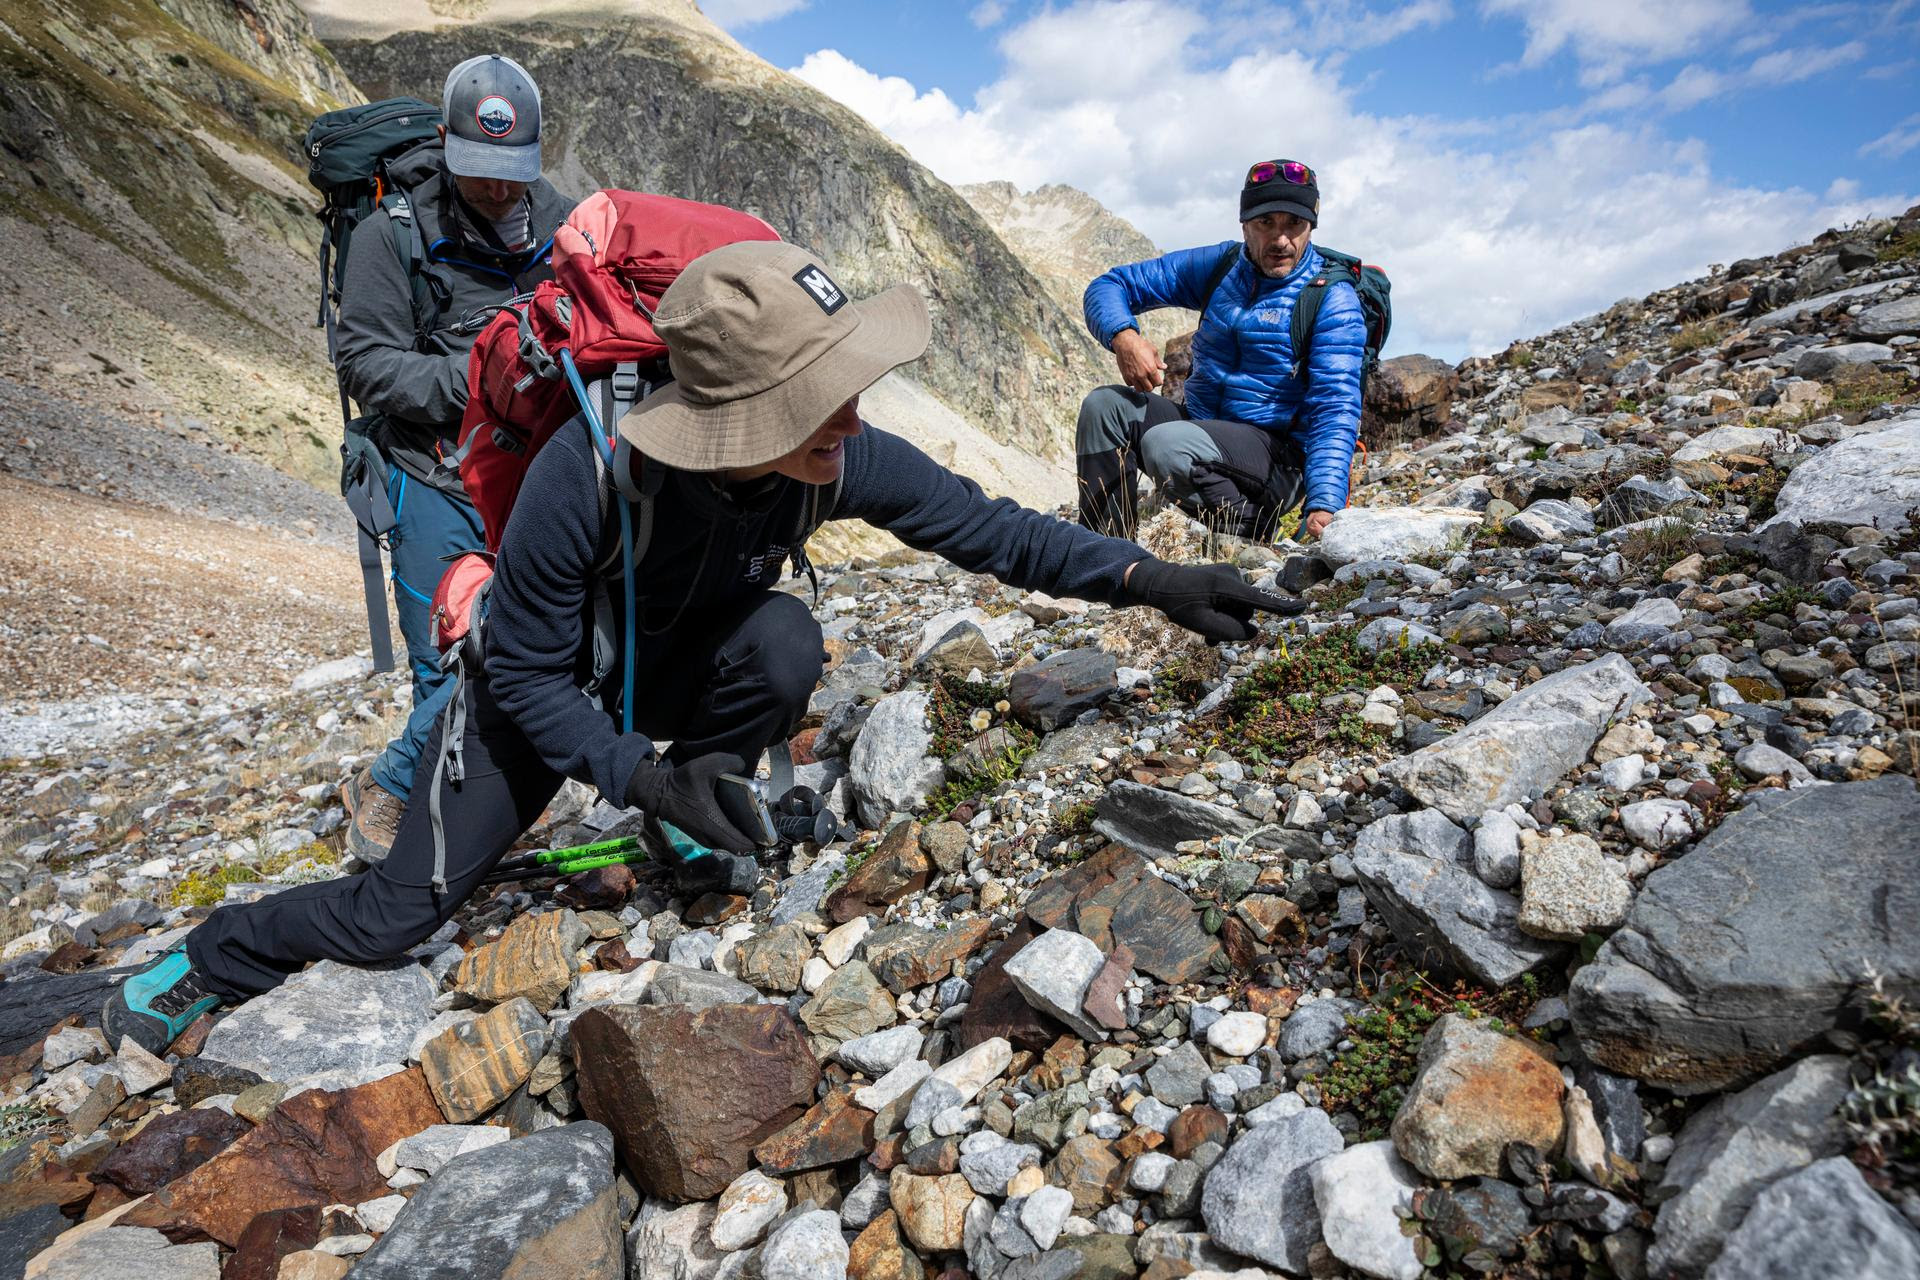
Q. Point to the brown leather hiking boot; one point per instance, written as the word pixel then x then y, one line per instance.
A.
pixel 375 813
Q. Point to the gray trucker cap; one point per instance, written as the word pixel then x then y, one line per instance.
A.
pixel 492 108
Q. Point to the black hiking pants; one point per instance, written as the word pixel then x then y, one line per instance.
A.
pixel 735 678
pixel 1239 478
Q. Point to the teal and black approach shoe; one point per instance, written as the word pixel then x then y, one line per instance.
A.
pixel 156 1004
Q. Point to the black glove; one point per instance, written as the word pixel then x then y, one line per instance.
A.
pixel 686 796
pixel 1212 599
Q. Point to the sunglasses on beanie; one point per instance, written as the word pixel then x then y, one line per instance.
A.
pixel 1291 171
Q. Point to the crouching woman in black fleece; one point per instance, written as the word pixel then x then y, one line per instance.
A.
pixel 769 357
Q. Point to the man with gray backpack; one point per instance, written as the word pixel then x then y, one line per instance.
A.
pixel 447 217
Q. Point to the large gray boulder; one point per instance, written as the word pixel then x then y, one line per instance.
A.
pixel 1524 745
pixel 331 1017
pixel 1258 1200
pixel 1417 871
pixel 1821 1222
pixel 1871 479
pixel 544 1204
pixel 1732 1149
pixel 1747 950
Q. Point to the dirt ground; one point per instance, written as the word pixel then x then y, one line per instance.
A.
pixel 100 597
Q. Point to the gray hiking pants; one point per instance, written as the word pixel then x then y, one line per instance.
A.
pixel 1241 478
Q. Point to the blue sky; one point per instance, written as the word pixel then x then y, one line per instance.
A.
pixel 1514 163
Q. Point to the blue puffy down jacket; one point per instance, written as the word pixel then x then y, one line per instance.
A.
pixel 1243 352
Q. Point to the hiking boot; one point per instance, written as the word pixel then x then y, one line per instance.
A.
pixel 156 1004
pixel 375 813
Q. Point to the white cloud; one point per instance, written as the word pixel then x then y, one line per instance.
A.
pixel 1607 38
pixel 1896 141
pixel 987 13
pixel 1788 66
pixel 1328 24
pixel 1490 234
pixel 736 15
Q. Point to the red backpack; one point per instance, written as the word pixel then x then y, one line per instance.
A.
pixel 612 260
pixel 582 343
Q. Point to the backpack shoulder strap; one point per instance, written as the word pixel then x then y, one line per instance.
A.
pixel 1219 276
pixel 1306 314
pixel 411 251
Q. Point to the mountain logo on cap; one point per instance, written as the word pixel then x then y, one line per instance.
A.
pixel 825 293
pixel 495 116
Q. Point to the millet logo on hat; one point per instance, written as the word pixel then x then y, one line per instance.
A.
pixel 495 116
pixel 827 295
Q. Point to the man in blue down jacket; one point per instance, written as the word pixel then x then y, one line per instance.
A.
pixel 1255 438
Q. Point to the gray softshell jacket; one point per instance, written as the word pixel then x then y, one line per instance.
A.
pixel 382 362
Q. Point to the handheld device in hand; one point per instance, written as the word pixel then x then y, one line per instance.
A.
pixel 744 801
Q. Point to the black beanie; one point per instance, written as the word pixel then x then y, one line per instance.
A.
pixel 1277 195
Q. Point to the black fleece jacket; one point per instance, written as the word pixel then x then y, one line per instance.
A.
pixel 713 544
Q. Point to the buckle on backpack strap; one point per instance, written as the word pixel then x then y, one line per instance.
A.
pixel 626 384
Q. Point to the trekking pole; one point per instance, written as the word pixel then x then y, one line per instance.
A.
pixel 571 860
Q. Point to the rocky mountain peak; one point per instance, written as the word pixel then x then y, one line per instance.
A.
pixel 1066 238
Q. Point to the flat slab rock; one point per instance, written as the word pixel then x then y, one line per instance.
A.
pixel 1115 896
pixel 330 1017
pixel 1154 820
pixel 318 1147
pixel 1524 745
pixel 1747 950
pixel 542 1205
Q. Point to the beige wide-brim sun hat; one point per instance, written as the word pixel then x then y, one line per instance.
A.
pixel 764 347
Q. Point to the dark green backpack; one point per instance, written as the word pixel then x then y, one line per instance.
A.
pixel 1370 282
pixel 347 153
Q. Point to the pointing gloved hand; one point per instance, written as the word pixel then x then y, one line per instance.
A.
pixel 687 796
pixel 1212 599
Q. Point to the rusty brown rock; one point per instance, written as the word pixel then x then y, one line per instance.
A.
pixel 1407 396
pixel 169 1147
pixel 1193 1127
pixel 831 1131
pixel 688 1094
pixel 533 958
pixel 932 1211
pixel 1272 918
pixel 1106 999
pixel 881 1252
pixel 602 889
pixel 1089 1170
pixel 896 868
pixel 614 957
pixel 474 1066
pixel 271 1237
pixel 1477 1091
pixel 316 1148
pixel 715 908
pixel 905 957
